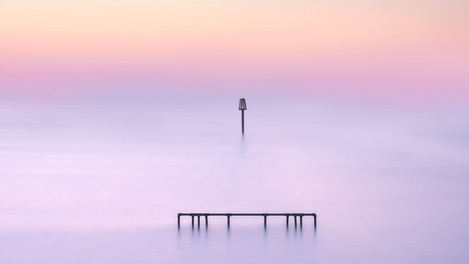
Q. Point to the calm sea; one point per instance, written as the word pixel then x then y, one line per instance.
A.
pixel 101 181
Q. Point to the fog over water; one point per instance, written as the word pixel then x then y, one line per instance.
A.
pixel 101 181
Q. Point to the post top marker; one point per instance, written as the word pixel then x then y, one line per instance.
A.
pixel 242 104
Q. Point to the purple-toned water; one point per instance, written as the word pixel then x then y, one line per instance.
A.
pixel 101 181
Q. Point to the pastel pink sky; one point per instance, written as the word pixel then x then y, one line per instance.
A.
pixel 392 48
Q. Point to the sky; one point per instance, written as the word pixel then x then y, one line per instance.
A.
pixel 374 50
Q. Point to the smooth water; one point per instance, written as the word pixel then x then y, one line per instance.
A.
pixel 101 181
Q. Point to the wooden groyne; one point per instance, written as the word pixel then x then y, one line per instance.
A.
pixel 298 218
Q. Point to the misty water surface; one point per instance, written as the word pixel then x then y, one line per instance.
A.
pixel 101 181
